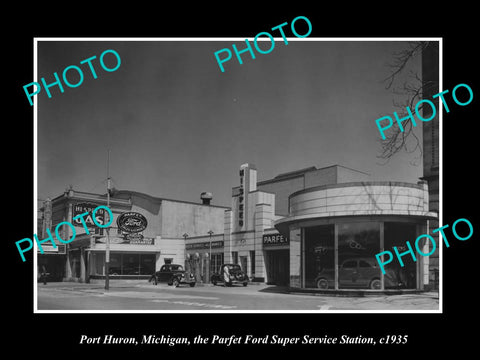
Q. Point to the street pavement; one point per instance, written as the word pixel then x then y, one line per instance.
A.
pixel 143 296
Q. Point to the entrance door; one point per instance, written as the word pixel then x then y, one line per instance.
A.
pixel 244 263
pixel 283 267
pixel 278 267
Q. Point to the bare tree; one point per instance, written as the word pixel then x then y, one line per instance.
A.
pixel 410 92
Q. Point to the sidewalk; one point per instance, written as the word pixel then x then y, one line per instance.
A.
pixel 258 287
pixel 128 293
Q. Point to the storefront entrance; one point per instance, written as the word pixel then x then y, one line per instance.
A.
pixel 277 264
pixel 54 265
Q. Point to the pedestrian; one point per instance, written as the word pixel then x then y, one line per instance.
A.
pixel 43 275
pixel 226 275
pixel 154 279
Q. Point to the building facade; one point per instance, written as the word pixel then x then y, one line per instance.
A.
pixel 251 237
pixel 132 255
pixel 311 228
pixel 336 230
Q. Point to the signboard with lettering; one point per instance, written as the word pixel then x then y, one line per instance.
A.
pixel 141 241
pixel 132 222
pixel 204 245
pixel 135 240
pixel 81 208
pixel 274 240
pixel 113 240
pixel 49 249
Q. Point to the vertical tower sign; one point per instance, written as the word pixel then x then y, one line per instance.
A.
pixel 241 201
pixel 248 183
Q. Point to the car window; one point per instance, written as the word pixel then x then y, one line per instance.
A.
pixel 350 264
pixel 364 264
pixel 177 268
pixel 163 268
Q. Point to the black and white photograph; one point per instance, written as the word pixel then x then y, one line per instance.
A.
pixel 226 181
pixel 256 186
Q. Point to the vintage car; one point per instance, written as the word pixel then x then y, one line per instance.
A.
pixel 357 273
pixel 229 274
pixel 173 274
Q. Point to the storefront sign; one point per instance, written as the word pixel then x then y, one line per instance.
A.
pixel 274 240
pixel 141 241
pixel 138 239
pixel 128 239
pixel 78 209
pixel 204 245
pixel 132 222
pixel 113 240
pixel 49 249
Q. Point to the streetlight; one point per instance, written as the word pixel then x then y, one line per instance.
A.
pixel 185 236
pixel 210 233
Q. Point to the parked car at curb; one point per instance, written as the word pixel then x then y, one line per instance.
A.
pixel 173 274
pixel 357 273
pixel 229 274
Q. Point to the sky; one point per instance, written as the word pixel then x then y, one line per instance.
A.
pixel 176 126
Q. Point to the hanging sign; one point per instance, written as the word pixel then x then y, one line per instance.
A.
pixel 132 222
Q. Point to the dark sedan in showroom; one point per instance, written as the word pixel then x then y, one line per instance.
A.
pixel 357 273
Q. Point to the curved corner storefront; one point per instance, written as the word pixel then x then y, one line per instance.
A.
pixel 335 231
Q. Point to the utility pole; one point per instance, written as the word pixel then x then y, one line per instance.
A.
pixel 210 233
pixel 107 243
pixel 187 259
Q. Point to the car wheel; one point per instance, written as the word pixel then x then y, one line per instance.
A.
pixel 175 282
pixel 192 284
pixel 322 283
pixel 214 282
pixel 245 284
pixel 375 284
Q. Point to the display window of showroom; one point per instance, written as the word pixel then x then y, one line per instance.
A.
pixel 341 255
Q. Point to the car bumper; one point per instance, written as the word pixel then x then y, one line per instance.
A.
pixel 236 281
pixel 187 281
